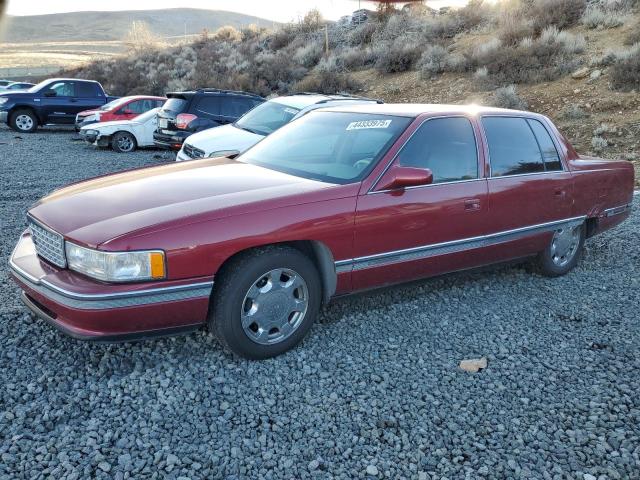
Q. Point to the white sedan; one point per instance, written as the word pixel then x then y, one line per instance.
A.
pixel 123 135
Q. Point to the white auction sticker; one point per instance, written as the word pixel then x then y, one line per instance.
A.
pixel 369 124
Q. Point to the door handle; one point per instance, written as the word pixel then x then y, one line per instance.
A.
pixel 560 194
pixel 73 100
pixel 472 204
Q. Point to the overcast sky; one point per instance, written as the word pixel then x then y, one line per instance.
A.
pixel 278 10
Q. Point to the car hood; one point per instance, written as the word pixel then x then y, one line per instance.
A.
pixel 16 94
pixel 225 137
pixel 109 207
pixel 84 113
pixel 110 124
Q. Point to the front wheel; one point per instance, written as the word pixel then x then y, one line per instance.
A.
pixel 265 301
pixel 564 251
pixel 123 142
pixel 24 121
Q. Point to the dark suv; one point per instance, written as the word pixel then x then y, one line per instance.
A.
pixel 185 113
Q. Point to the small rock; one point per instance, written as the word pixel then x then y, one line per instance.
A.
pixel 595 74
pixel 372 470
pixel 474 364
pixel 588 476
pixel 104 466
pixel 313 465
pixel 580 73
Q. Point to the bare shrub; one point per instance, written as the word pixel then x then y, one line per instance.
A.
pixel 354 58
pixel 140 38
pixel 228 34
pixel 328 77
pixel 363 34
pixel 309 55
pixel 396 57
pixel 514 28
pixel 625 70
pixel 507 97
pixel 434 60
pixel 633 37
pixel 533 60
pixel 573 112
pixel 558 13
pixel 599 143
pixel 596 17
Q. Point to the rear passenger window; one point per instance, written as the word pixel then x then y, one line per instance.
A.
pixel 549 152
pixel 513 150
pixel 208 106
pixel 86 89
pixel 446 146
pixel 235 107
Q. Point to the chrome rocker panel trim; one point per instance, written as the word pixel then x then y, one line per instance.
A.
pixel 610 212
pixel 455 246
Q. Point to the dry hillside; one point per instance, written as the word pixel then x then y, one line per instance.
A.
pixel 577 61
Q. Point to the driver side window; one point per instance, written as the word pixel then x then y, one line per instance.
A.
pixel 446 146
pixel 63 89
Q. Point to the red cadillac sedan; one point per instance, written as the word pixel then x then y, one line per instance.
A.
pixel 341 200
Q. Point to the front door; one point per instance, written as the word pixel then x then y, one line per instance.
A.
pixel 58 102
pixel 409 233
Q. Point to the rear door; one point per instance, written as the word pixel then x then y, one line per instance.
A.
pixel 420 231
pixel 530 192
pixel 88 95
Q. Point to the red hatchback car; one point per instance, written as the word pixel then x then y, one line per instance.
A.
pixel 341 200
pixel 123 108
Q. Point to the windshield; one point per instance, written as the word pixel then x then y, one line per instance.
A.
pixel 38 86
pixel 114 103
pixel 148 115
pixel 174 104
pixel 266 118
pixel 331 147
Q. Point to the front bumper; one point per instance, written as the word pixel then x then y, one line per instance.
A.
pixel 92 310
pixel 83 123
pixel 88 137
pixel 172 141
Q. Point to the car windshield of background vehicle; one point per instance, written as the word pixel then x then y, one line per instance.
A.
pixel 332 147
pixel 266 118
pixel 114 103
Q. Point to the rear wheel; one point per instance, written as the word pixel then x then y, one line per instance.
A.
pixel 24 121
pixel 564 251
pixel 265 301
pixel 123 142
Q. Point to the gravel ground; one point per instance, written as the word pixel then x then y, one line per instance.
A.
pixel 373 392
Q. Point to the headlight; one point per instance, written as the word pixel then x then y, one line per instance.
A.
pixel 3 100
pixel 116 266
pixel 91 132
pixel 93 116
pixel 224 153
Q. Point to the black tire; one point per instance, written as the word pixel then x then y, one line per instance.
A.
pixel 232 285
pixel 545 264
pixel 23 121
pixel 123 142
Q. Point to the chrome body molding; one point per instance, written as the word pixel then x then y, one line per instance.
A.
pixel 106 301
pixel 610 212
pixel 454 246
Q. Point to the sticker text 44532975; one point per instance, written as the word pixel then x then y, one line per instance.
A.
pixel 369 124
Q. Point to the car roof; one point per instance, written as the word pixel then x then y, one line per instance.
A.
pixel 138 97
pixel 71 80
pixel 306 99
pixel 210 91
pixel 416 109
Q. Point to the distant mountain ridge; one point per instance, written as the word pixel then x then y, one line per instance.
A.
pixel 106 26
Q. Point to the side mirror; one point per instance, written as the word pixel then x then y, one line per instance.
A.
pixel 403 177
pixel 50 93
pixel 127 112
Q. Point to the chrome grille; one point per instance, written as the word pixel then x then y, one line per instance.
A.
pixel 49 244
pixel 193 152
